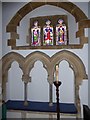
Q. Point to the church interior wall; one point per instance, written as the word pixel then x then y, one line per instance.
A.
pixel 89 60
pixel 1 29
pixel 39 75
pixel 0 47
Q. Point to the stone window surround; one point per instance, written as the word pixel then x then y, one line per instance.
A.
pixel 42 22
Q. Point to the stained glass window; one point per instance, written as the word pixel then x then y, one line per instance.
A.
pixel 48 33
pixel 61 33
pixel 36 31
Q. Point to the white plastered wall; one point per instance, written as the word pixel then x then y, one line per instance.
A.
pixel 9 10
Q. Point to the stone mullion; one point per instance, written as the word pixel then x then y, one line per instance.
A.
pixel 41 36
pixel 54 35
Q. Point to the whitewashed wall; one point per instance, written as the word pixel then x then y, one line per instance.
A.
pixel 0 55
pixel 38 88
pixel 89 59
pixel 0 29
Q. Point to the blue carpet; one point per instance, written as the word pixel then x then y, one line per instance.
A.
pixel 41 106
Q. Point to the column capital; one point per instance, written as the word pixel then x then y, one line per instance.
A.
pixel 26 78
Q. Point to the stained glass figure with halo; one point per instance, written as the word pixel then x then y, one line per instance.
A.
pixel 35 31
pixel 48 33
pixel 61 33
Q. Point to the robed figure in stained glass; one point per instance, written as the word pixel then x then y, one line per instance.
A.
pixel 36 35
pixel 48 34
pixel 61 33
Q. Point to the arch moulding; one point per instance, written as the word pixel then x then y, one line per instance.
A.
pixel 27 63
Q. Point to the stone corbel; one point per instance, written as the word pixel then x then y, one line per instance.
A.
pixel 79 80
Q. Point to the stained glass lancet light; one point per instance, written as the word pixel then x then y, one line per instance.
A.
pixel 36 31
pixel 61 33
pixel 48 33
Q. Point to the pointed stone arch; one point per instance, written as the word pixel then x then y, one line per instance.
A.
pixel 26 64
pixel 73 9
pixel 74 62
pixel 33 57
pixel 9 58
pixel 68 6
